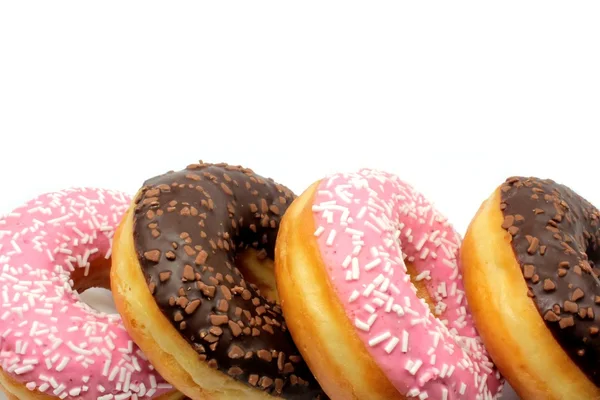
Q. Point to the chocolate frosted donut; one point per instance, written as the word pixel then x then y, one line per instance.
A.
pixel 555 238
pixel 189 229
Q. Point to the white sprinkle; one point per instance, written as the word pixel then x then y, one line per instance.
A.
pixel 372 319
pixel 164 386
pixel 391 345
pixel 362 212
pixel 453 289
pixel 423 395
pixel 355 269
pixel 450 371
pixel 64 362
pixel 378 302
pixel 374 252
pixel 319 231
pixel 444 370
pixel 384 285
pixel 330 237
pixel 15 246
pixel 463 388
pixel 379 338
pixel 381 295
pixel 389 304
pixel 59 389
pixel 369 308
pixel 442 289
pixel 361 325
pixel 43 312
pixel 109 342
pixel 404 341
pixel 421 242
pixel 79 350
pixel 422 275
pixel 24 369
pixel 459 298
pixel 106 368
pixel 415 367
pixel 372 264
pixel 482 383
pixel 378 280
pixel 397 308
pixel 127 382
pixel 355 294
pixel 346 261
pixel 345 215
pixel 136 364
pixel 113 373
pixel 444 393
pixel 373 227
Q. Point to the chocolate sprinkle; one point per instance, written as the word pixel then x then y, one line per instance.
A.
pixel 207 214
pixel 558 237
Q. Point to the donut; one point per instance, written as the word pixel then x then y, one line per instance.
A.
pixel 370 284
pixel 529 269
pixel 193 278
pixel 52 344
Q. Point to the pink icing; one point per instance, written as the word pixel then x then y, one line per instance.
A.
pixel 367 224
pixel 50 340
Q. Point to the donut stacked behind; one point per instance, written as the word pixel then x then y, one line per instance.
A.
pixel 53 345
pixel 530 277
pixel 186 298
pixel 371 288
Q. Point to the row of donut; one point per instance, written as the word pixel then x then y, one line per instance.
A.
pixel 230 286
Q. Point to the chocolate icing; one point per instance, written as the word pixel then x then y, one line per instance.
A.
pixel 555 235
pixel 189 226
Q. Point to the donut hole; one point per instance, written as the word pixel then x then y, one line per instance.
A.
pixel 260 272
pixel 421 286
pixel 593 252
pixel 94 286
pixel 100 299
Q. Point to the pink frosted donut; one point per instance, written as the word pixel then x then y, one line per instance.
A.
pixel 52 345
pixel 368 275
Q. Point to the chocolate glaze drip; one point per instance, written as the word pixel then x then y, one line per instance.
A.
pixel 555 237
pixel 189 226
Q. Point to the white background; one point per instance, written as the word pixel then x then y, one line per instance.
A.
pixel 454 97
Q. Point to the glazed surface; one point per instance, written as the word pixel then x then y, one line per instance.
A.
pixel 189 227
pixel 555 235
pixel 49 340
pixel 371 228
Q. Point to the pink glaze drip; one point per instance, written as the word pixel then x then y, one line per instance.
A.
pixel 50 340
pixel 367 224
